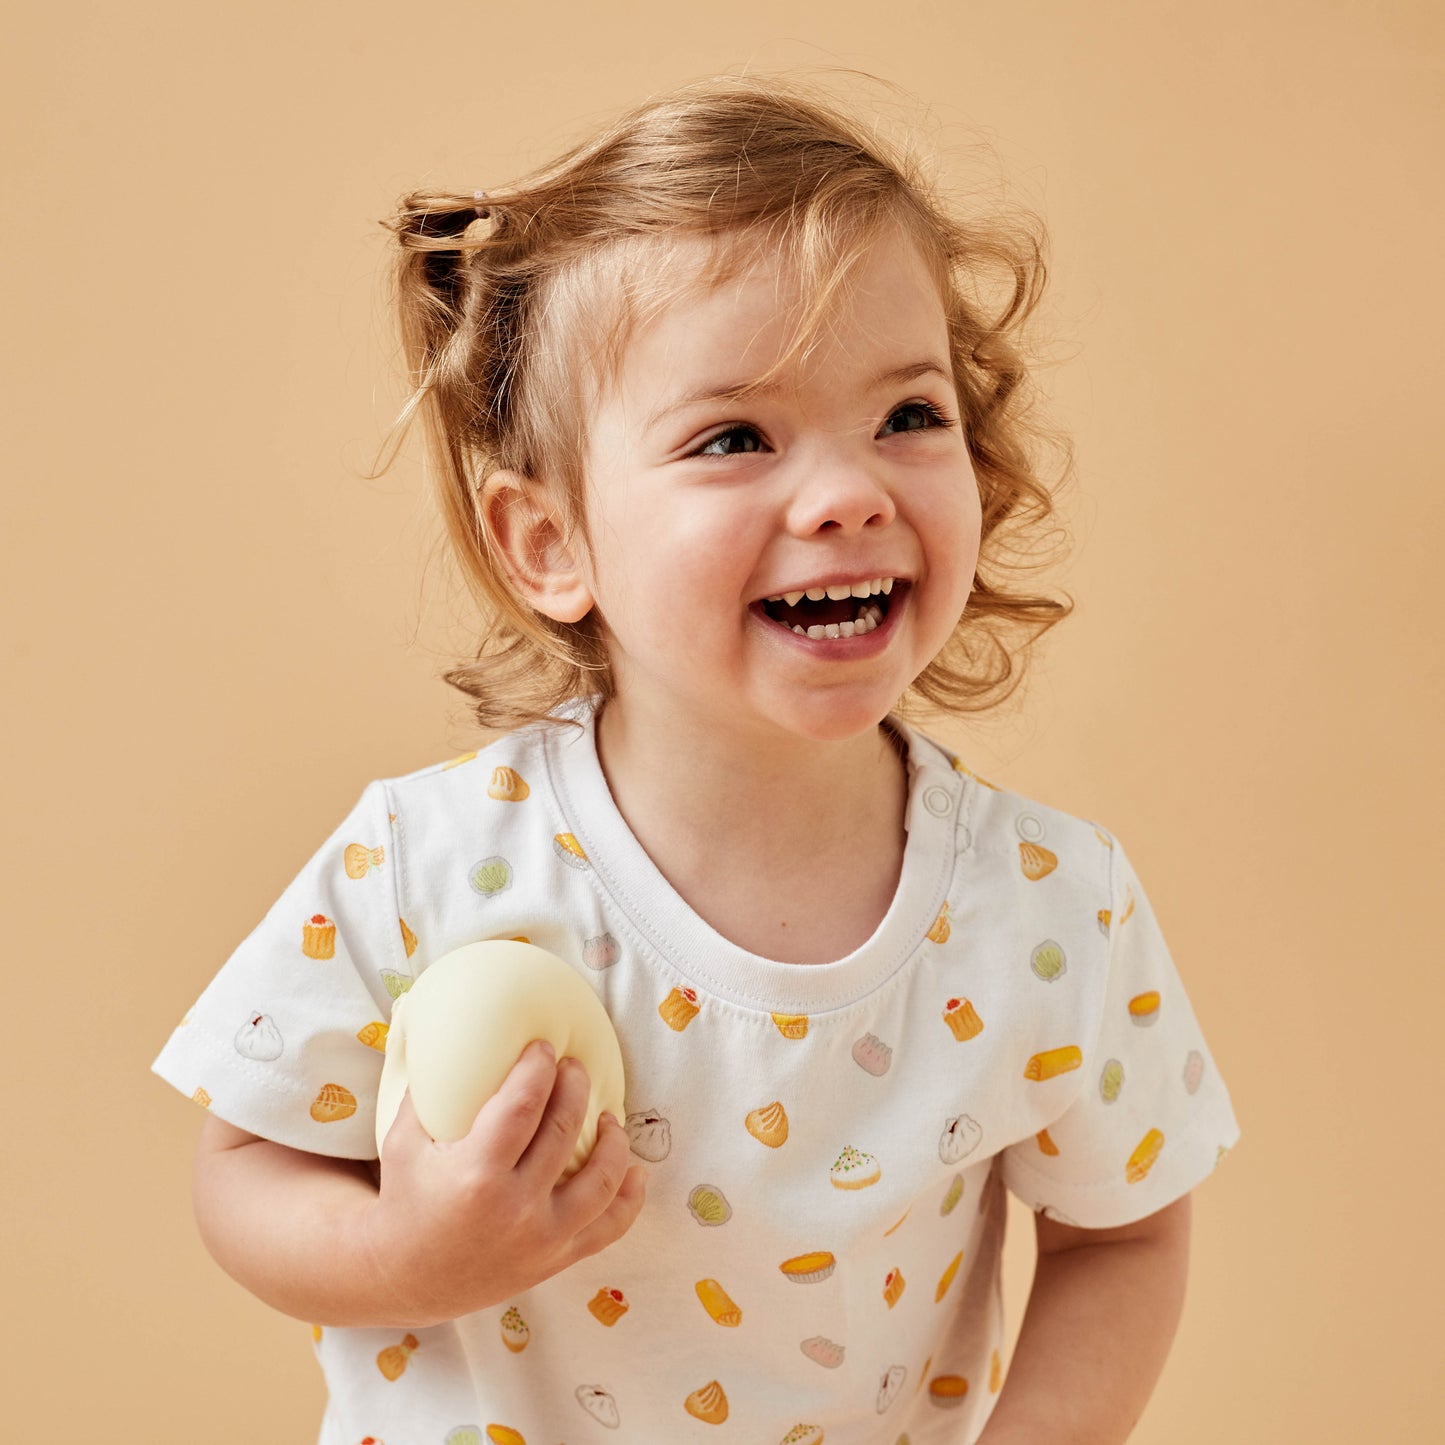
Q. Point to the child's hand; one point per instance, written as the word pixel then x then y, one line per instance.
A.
pixel 462 1226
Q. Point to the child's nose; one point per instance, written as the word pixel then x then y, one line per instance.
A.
pixel 841 495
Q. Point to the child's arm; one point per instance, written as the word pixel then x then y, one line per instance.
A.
pixel 1100 1319
pixel 453 1227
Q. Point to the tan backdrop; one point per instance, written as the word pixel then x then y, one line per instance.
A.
pixel 217 631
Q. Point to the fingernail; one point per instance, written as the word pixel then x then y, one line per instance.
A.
pixel 547 1050
pixel 608 1114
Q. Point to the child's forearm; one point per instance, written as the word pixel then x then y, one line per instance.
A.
pixel 290 1228
pixel 1100 1319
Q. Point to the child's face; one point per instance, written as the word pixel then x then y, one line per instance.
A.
pixel 702 507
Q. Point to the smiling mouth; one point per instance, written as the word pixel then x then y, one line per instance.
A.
pixel 838 611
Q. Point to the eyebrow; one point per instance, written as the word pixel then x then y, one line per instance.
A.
pixel 732 391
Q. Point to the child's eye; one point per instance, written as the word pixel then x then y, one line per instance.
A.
pixel 735 441
pixel 915 416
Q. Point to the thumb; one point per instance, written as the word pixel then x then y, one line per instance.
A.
pixel 406 1132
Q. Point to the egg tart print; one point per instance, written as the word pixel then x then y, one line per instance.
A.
pixel 947 1391
pixel 359 859
pixel 508 786
pixel 496 1435
pixel 1144 1008
pixel 792 1026
pixel 202 1098
pixel 810 1268
pixel 569 850
pixel 1035 860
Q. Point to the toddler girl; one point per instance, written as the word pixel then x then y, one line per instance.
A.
pixel 728 443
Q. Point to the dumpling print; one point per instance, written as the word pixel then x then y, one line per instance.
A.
pixel 650 1135
pixel 893 1379
pixel 872 1055
pixel 408 938
pixel 600 1405
pixel 955 1193
pixel 462 1435
pixel 961 1135
pixel 823 1351
pixel 1193 1071
pixel 259 1038
pixel 601 952
pixel 1111 1080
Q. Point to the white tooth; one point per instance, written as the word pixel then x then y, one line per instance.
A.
pixel 876 585
pixel 838 592
pixel 859 589
pixel 792 598
pixel 775 599
pixel 887 585
pixel 865 623
pixel 816 594
pixel 800 631
pixel 831 630
pixel 815 632
pixel 875 614
pixel 846 629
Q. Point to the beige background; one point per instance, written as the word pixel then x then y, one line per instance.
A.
pixel 216 631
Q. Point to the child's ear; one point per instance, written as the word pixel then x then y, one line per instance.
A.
pixel 527 527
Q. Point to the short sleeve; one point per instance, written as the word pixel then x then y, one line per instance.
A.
pixel 1151 1117
pixel 287 1040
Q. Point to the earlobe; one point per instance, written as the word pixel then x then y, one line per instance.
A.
pixel 527 530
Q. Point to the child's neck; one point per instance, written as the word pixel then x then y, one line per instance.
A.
pixel 791 850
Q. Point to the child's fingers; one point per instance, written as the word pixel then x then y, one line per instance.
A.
pixel 592 1191
pixel 559 1126
pixel 508 1121
pixel 405 1131
pixel 619 1215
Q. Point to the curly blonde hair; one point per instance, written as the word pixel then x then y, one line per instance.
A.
pixel 506 300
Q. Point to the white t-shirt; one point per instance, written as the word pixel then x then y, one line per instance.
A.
pixel 828 1144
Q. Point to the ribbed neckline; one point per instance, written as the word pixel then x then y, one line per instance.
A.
pixel 935 819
